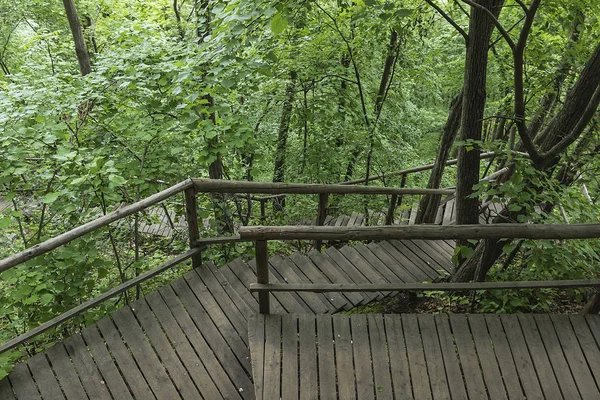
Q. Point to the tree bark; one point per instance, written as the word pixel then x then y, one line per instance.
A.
pixel 429 204
pixel 83 57
pixel 474 96
pixel 282 136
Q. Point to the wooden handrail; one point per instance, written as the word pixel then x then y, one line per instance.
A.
pixel 421 287
pixel 224 186
pixel 431 232
pixel 81 230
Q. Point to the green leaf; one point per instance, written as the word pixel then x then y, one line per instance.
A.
pixel 278 24
pixel 5 222
pixel 50 198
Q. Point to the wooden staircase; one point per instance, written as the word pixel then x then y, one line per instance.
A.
pixel 189 339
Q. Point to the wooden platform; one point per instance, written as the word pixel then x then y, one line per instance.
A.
pixel 425 356
pixel 189 339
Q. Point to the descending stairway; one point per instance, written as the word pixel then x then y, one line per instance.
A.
pixel 189 339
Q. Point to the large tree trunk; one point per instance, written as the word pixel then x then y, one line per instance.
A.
pixel 429 204
pixel 474 96
pixel 83 57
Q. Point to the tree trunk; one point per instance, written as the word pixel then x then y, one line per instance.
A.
pixel 474 96
pixel 282 136
pixel 83 57
pixel 430 203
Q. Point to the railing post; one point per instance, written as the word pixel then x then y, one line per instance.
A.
pixel 262 275
pixel 402 185
pixel 262 209
pixel 323 202
pixel 389 218
pixel 191 212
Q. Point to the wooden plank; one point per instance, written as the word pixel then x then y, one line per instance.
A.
pixel 87 370
pixel 238 286
pixel 557 358
pixel 223 293
pixel 180 343
pixel 22 383
pixel 523 362
pixel 317 302
pixel 399 367
pixel 343 357
pixel 315 276
pixel 422 259
pixel 44 378
pixel 416 357
pixel 168 358
pixel 487 358
pixel 376 263
pixel 220 280
pixel 106 364
pixel 256 335
pixel 413 214
pixel 237 369
pixel 468 357
pixel 308 369
pixel 420 270
pixel 593 322
pixel 289 359
pixel 6 391
pixel 333 274
pixel 142 352
pixel 366 269
pixel 380 357
pixel 433 355
pixel 326 357
pixel 247 276
pixel 231 328
pixel 226 385
pixel 291 304
pixel 362 357
pixel 588 345
pixel 276 276
pixel 451 362
pixel 404 268
pixel 437 254
pixel 272 361
pixel 542 364
pixel 575 357
pixel 448 212
pixel 66 374
pixel 354 275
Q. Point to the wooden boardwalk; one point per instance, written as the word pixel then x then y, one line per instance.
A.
pixel 426 356
pixel 189 339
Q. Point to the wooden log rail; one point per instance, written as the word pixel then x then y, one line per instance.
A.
pixel 262 234
pixel 191 188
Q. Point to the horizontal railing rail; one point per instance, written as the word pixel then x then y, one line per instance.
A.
pixel 262 234
pixel 190 188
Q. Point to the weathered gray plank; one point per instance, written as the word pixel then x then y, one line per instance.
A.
pixel 380 357
pixel 362 357
pixel 22 383
pixel 272 361
pixel 468 357
pixel 289 361
pixel 65 372
pixel 326 357
pixel 433 355
pixel 451 362
pixel 44 378
pixel 344 357
pixel 416 357
pixel 399 368
pixel 308 358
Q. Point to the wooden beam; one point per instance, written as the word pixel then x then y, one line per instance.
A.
pixel 219 240
pixel 420 287
pixel 81 230
pixel 224 186
pixel 97 300
pixel 389 218
pixel 262 275
pixel 432 232
pixel 191 212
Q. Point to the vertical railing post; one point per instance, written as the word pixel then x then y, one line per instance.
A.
pixel 262 275
pixel 323 202
pixel 191 213
pixel 389 218
pixel 402 185
pixel 262 209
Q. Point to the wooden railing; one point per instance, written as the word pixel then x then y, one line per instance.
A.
pixel 262 234
pixel 191 189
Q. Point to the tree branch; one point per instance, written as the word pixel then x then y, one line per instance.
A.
pixel 499 26
pixel 450 20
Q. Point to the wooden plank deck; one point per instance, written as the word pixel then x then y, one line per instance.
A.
pixel 190 338
pixel 460 356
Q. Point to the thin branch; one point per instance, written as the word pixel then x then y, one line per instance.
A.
pixel 450 20
pixel 499 26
